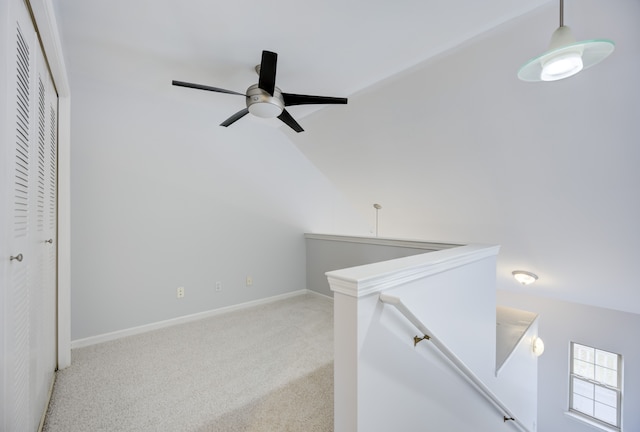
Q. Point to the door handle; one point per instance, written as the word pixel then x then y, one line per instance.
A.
pixel 17 258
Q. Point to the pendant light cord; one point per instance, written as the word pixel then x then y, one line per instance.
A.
pixel 561 13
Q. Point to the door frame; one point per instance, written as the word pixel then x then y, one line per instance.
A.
pixel 47 27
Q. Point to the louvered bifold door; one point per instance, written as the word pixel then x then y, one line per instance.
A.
pixel 17 295
pixel 28 128
pixel 43 239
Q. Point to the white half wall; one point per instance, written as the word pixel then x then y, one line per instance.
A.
pixel 383 382
pixel 330 252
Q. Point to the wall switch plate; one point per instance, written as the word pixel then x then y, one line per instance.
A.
pixel 218 286
pixel 180 292
pixel 249 281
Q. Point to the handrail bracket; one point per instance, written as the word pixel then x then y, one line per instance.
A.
pixel 417 339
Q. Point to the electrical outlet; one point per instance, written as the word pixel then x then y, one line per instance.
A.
pixel 249 281
pixel 180 292
pixel 218 286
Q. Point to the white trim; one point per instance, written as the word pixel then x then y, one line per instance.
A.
pixel 80 343
pixel 415 244
pixel 372 278
pixel 320 295
pixel 47 27
pixel 589 422
pixel 64 232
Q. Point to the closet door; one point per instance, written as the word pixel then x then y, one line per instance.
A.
pixel 42 238
pixel 17 297
pixel 27 259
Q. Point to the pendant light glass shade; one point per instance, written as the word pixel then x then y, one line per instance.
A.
pixel 565 57
pixel 566 61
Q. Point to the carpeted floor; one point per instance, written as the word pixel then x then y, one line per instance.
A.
pixel 266 368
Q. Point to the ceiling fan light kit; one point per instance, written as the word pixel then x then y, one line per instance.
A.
pixel 262 104
pixel 565 57
pixel 266 100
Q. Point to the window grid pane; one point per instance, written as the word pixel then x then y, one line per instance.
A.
pixel 606 376
pixel 606 413
pixel 583 404
pixel 584 369
pixel 607 359
pixel 584 353
pixel 606 396
pixel 583 388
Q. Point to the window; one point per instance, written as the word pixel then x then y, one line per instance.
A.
pixel 596 384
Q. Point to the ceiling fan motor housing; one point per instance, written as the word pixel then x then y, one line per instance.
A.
pixel 261 104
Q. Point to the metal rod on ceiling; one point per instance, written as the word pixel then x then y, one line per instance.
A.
pixel 561 13
pixel 377 207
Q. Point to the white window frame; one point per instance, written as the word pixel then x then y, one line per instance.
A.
pixel 598 384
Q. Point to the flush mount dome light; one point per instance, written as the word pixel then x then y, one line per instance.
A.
pixel 524 277
pixel 565 57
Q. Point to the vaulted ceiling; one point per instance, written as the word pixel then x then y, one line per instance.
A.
pixel 438 129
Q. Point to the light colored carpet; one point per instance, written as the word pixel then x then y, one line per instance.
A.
pixel 265 368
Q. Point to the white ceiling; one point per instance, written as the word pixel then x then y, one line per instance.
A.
pixel 330 47
pixel 548 172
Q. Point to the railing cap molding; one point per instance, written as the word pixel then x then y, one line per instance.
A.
pixel 368 279
pixel 382 241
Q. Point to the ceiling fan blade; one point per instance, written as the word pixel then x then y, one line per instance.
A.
pixel 298 99
pixel 234 118
pixel 267 81
pixel 286 118
pixel 203 87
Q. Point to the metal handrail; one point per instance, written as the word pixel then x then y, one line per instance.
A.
pixel 466 373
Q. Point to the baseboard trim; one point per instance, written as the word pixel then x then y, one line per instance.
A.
pixel 320 295
pixel 93 340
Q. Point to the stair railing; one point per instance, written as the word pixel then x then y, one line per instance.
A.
pixel 464 371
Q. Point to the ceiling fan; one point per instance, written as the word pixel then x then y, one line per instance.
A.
pixel 266 100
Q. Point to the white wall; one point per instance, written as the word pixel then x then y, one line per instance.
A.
pixel 562 323
pixel 162 197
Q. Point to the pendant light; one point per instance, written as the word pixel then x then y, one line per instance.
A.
pixel 565 57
